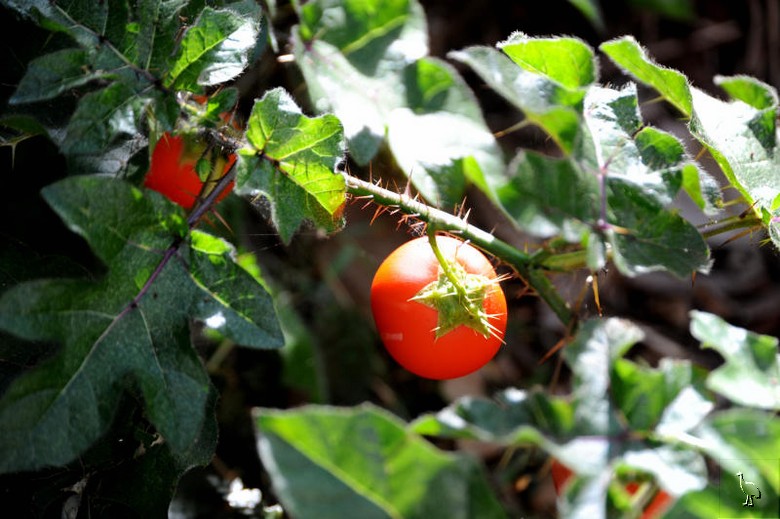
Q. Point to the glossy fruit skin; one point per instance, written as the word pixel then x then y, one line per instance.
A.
pixel 654 509
pixel 172 171
pixel 407 327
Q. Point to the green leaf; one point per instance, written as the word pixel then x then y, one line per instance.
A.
pixel 631 57
pixel 741 135
pixel 567 61
pixel 128 331
pixel 753 439
pixel 352 55
pixel 512 416
pixel 440 138
pixel 657 240
pixel 237 305
pixel 360 462
pixel 743 140
pixel 82 20
pixel 101 118
pixel 133 48
pixel 613 189
pixel 677 470
pixel 158 23
pixel 628 153
pixel 642 169
pixel 668 398
pixel 597 430
pixel 749 90
pixel 751 373
pixel 741 441
pixel 291 160
pixel 663 153
pixel 213 50
pixel 547 196
pixel 367 64
pixel 712 502
pixel 53 74
pixel 544 101
pixel 597 346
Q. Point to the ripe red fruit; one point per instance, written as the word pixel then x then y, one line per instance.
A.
pixel 426 331
pixel 172 171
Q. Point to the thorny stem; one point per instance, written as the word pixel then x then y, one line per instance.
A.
pixel 732 225
pixel 437 219
pixel 192 221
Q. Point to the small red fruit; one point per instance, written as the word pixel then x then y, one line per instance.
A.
pixel 172 171
pixel 419 315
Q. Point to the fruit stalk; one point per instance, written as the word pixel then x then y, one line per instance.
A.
pixel 445 265
pixel 440 220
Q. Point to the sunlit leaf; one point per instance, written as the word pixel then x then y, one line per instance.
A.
pixel 740 134
pixel 213 50
pixel 326 461
pixel 633 58
pixel 567 61
pixel 291 160
pixel 368 66
pixel 616 189
pixel 352 56
pixel 440 138
pixel 588 430
pixel 544 101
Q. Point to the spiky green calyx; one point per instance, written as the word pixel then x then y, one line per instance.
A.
pixel 458 297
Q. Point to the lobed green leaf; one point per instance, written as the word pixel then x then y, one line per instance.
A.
pixel 741 134
pixel 128 331
pixel 743 140
pixel 440 138
pixel 351 56
pixel 549 196
pixel 291 159
pixel 740 441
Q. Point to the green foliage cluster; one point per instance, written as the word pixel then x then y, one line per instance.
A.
pixel 119 343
